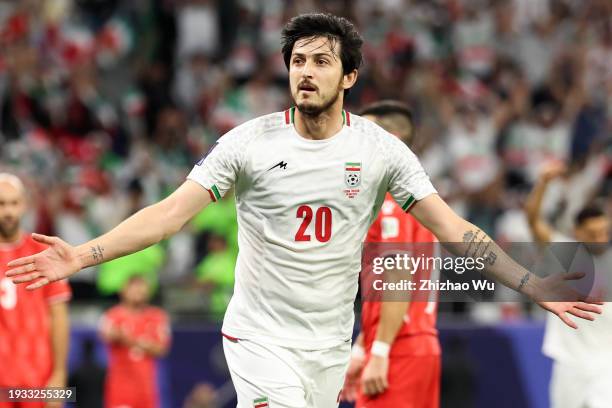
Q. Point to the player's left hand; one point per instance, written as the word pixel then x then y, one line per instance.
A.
pixel 555 295
pixel 582 310
pixel 57 379
pixel 374 377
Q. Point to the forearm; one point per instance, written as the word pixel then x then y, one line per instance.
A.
pixel 359 340
pixel 540 229
pixel 464 239
pixel 153 348
pixel 391 320
pixel 141 230
pixel 533 204
pixel 461 238
pixel 60 326
pixel 147 227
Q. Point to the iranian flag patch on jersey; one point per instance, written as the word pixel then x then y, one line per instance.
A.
pixel 260 402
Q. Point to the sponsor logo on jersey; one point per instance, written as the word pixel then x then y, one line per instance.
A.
pixel 352 178
pixel 281 165
pixel 261 402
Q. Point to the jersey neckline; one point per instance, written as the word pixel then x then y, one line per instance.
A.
pixel 290 121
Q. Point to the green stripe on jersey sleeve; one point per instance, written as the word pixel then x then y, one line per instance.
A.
pixel 408 203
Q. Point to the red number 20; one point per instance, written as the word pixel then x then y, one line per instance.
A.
pixel 323 223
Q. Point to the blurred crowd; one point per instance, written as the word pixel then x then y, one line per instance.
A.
pixel 105 106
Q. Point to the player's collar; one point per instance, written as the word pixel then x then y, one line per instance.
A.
pixel 290 117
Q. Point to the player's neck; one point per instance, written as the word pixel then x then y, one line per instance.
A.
pixel 134 307
pixel 16 237
pixel 322 126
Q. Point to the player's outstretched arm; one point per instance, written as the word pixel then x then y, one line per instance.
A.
pixel 462 238
pixel 145 228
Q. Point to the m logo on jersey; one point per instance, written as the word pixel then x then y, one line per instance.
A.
pixel 352 174
pixel 280 165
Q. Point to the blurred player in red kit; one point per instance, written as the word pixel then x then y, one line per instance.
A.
pixel 137 333
pixel 396 358
pixel 33 325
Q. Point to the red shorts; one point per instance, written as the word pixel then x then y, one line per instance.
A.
pixel 414 382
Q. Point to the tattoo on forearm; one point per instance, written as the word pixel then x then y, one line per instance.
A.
pixel 478 246
pixel 468 238
pixel 97 253
pixel 524 281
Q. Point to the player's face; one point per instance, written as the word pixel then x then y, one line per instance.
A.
pixel 316 77
pixel 12 208
pixel 594 230
pixel 136 292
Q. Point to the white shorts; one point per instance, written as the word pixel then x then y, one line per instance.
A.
pixel 284 377
pixel 580 387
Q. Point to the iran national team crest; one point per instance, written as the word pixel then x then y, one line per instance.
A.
pixel 260 402
pixel 352 178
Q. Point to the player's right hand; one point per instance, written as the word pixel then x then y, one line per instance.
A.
pixel 351 381
pixel 58 261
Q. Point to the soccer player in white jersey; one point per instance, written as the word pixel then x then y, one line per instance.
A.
pixel 582 373
pixel 309 181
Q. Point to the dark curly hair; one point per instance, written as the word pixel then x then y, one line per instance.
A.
pixel 336 29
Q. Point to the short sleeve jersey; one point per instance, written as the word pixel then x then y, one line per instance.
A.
pixel 304 208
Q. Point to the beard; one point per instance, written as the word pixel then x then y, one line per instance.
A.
pixel 313 110
pixel 8 228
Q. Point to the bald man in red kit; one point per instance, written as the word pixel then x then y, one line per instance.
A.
pixel 33 324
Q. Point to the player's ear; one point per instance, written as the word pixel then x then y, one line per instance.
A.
pixel 348 80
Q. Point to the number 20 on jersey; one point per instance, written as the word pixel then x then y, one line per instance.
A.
pixel 322 223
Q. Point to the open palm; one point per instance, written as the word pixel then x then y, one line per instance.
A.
pixel 556 296
pixel 57 262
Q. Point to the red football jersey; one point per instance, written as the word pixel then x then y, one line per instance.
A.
pixel 418 335
pixel 131 379
pixel 26 356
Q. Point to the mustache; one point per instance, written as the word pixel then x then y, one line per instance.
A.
pixel 307 84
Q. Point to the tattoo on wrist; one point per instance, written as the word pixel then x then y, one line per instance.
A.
pixel 97 253
pixel 524 280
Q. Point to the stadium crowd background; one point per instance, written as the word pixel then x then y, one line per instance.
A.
pixel 106 105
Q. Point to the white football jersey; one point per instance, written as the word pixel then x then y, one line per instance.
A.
pixel 304 208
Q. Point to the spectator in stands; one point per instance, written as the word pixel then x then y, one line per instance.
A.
pixel 581 373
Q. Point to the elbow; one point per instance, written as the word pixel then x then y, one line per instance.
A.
pixel 172 222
